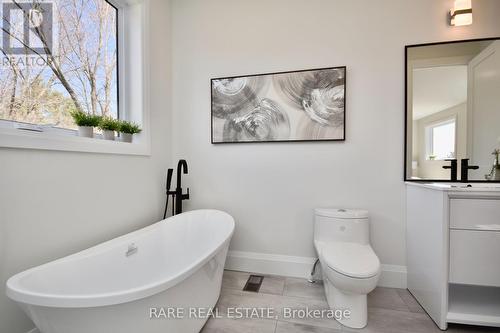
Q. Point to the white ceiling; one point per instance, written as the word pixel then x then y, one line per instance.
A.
pixel 438 88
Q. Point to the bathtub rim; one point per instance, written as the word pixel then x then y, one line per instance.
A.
pixel 19 294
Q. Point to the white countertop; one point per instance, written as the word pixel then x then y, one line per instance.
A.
pixel 458 187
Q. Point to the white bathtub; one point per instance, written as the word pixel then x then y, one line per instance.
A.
pixel 178 264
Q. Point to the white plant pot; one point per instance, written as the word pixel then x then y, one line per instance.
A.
pixel 126 137
pixel 108 135
pixel 86 131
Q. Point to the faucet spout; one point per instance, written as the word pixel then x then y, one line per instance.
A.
pixel 181 166
pixel 465 167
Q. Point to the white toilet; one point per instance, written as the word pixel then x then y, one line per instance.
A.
pixel 350 267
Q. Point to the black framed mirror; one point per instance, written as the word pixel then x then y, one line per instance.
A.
pixel 452 111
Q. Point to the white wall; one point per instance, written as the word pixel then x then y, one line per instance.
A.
pixel 269 188
pixel 55 203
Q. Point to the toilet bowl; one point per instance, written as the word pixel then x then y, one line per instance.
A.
pixel 349 265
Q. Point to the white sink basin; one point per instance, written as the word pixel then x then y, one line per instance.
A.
pixel 468 185
pixel 473 187
pixel 459 187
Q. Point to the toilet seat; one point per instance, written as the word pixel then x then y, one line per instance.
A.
pixel 352 260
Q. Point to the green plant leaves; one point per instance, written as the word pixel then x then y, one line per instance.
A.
pixel 85 119
pixel 129 127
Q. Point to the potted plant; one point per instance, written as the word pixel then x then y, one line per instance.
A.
pixel 85 122
pixel 108 126
pixel 127 130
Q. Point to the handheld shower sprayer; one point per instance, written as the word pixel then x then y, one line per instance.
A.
pixel 170 172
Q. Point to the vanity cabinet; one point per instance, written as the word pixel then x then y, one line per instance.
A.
pixel 475 214
pixel 475 241
pixel 475 257
pixel 453 252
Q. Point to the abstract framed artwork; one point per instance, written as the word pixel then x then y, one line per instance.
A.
pixel 295 106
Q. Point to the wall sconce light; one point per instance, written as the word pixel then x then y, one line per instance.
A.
pixel 461 14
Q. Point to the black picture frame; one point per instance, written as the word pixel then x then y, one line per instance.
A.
pixel 405 155
pixel 344 68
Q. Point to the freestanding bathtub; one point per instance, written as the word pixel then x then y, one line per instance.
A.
pixel 176 263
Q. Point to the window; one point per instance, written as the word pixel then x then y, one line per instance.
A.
pixel 64 55
pixel 67 61
pixel 441 140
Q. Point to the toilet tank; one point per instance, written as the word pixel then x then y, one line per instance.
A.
pixel 341 225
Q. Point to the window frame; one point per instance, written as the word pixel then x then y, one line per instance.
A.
pixel 132 76
pixel 429 137
pixel 119 52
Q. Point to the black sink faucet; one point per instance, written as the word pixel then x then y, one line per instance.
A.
pixel 465 167
pixel 179 196
pixel 454 169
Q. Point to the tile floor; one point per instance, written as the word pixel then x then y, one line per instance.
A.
pixel 389 310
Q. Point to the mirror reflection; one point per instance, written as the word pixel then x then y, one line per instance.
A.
pixel 453 111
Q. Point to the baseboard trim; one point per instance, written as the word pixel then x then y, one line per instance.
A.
pixel 393 276
pixel 264 263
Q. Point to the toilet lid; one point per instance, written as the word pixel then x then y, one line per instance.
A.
pixel 341 213
pixel 351 259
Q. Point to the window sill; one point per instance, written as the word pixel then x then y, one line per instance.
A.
pixel 15 138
